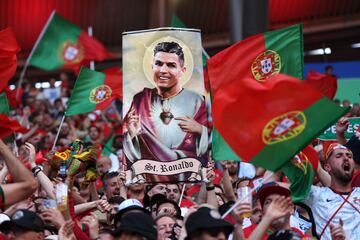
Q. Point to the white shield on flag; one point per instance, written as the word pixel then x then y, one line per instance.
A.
pixel 266 65
pixel 71 53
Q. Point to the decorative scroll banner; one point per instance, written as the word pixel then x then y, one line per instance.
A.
pixel 185 165
pixel 330 133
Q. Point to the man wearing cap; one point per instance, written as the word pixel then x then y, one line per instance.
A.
pixel 24 225
pixel 126 207
pixel 136 226
pixel 276 209
pixel 206 224
pixel 337 206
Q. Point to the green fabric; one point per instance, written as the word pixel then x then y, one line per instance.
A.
pixel 48 53
pixel 319 116
pixel 86 81
pixel 288 42
pixel 107 150
pixel 2 200
pixel 4 105
pixel 301 180
pixel 348 88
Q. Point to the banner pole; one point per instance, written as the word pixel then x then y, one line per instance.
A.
pixel 182 194
pixel 22 74
pixel 92 63
pixel 246 196
pixel 58 132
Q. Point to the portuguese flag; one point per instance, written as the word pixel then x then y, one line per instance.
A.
pixel 301 171
pixel 62 44
pixel 8 49
pixel 94 90
pixel 267 122
pixel 257 57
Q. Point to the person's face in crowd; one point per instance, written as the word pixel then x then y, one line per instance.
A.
pixel 130 236
pixel 63 77
pixel 47 120
pixel 65 129
pixel 173 192
pixel 167 208
pixel 40 106
pixel 52 82
pixel 158 188
pixel 219 195
pixel 280 222
pixel 167 71
pixel 232 167
pixel 58 105
pixel 105 236
pixel 165 226
pixel 137 187
pixel 340 165
pixel 346 103
pixel 30 101
pixel 112 187
pixel 256 213
pixel 103 164
pixel 94 133
pixel 25 235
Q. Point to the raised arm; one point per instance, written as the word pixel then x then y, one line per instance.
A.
pixel 24 183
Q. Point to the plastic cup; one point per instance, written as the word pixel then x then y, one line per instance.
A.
pixel 243 193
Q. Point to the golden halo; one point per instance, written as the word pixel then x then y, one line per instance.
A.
pixel 149 54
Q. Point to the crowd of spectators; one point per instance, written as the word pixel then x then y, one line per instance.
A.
pixel 109 209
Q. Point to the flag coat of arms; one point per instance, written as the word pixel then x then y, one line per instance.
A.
pixel 257 57
pixel 94 90
pixel 65 45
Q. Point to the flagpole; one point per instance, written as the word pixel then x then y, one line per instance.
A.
pixel 22 74
pixel 182 194
pixel 58 132
pixel 92 63
pixel 247 195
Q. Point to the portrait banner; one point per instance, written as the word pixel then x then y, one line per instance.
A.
pixel 165 121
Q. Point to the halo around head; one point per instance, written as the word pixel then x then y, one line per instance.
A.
pixel 149 54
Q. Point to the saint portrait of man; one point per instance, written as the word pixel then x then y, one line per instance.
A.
pixel 167 122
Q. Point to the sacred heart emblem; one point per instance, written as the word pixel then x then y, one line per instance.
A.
pixel 166 117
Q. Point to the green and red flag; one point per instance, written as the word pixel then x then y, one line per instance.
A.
pixel 257 57
pixel 326 84
pixel 9 126
pixel 301 171
pixel 94 90
pixel 267 122
pixel 62 44
pixel 8 49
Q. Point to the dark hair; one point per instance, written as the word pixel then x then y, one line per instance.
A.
pixel 108 176
pixel 327 67
pixel 170 47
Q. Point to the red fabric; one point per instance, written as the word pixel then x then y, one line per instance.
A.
pixel 325 84
pixel 8 126
pixel 356 179
pixel 276 96
pixel 93 50
pixel 11 96
pixel 8 49
pixel 2 237
pixel 186 203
